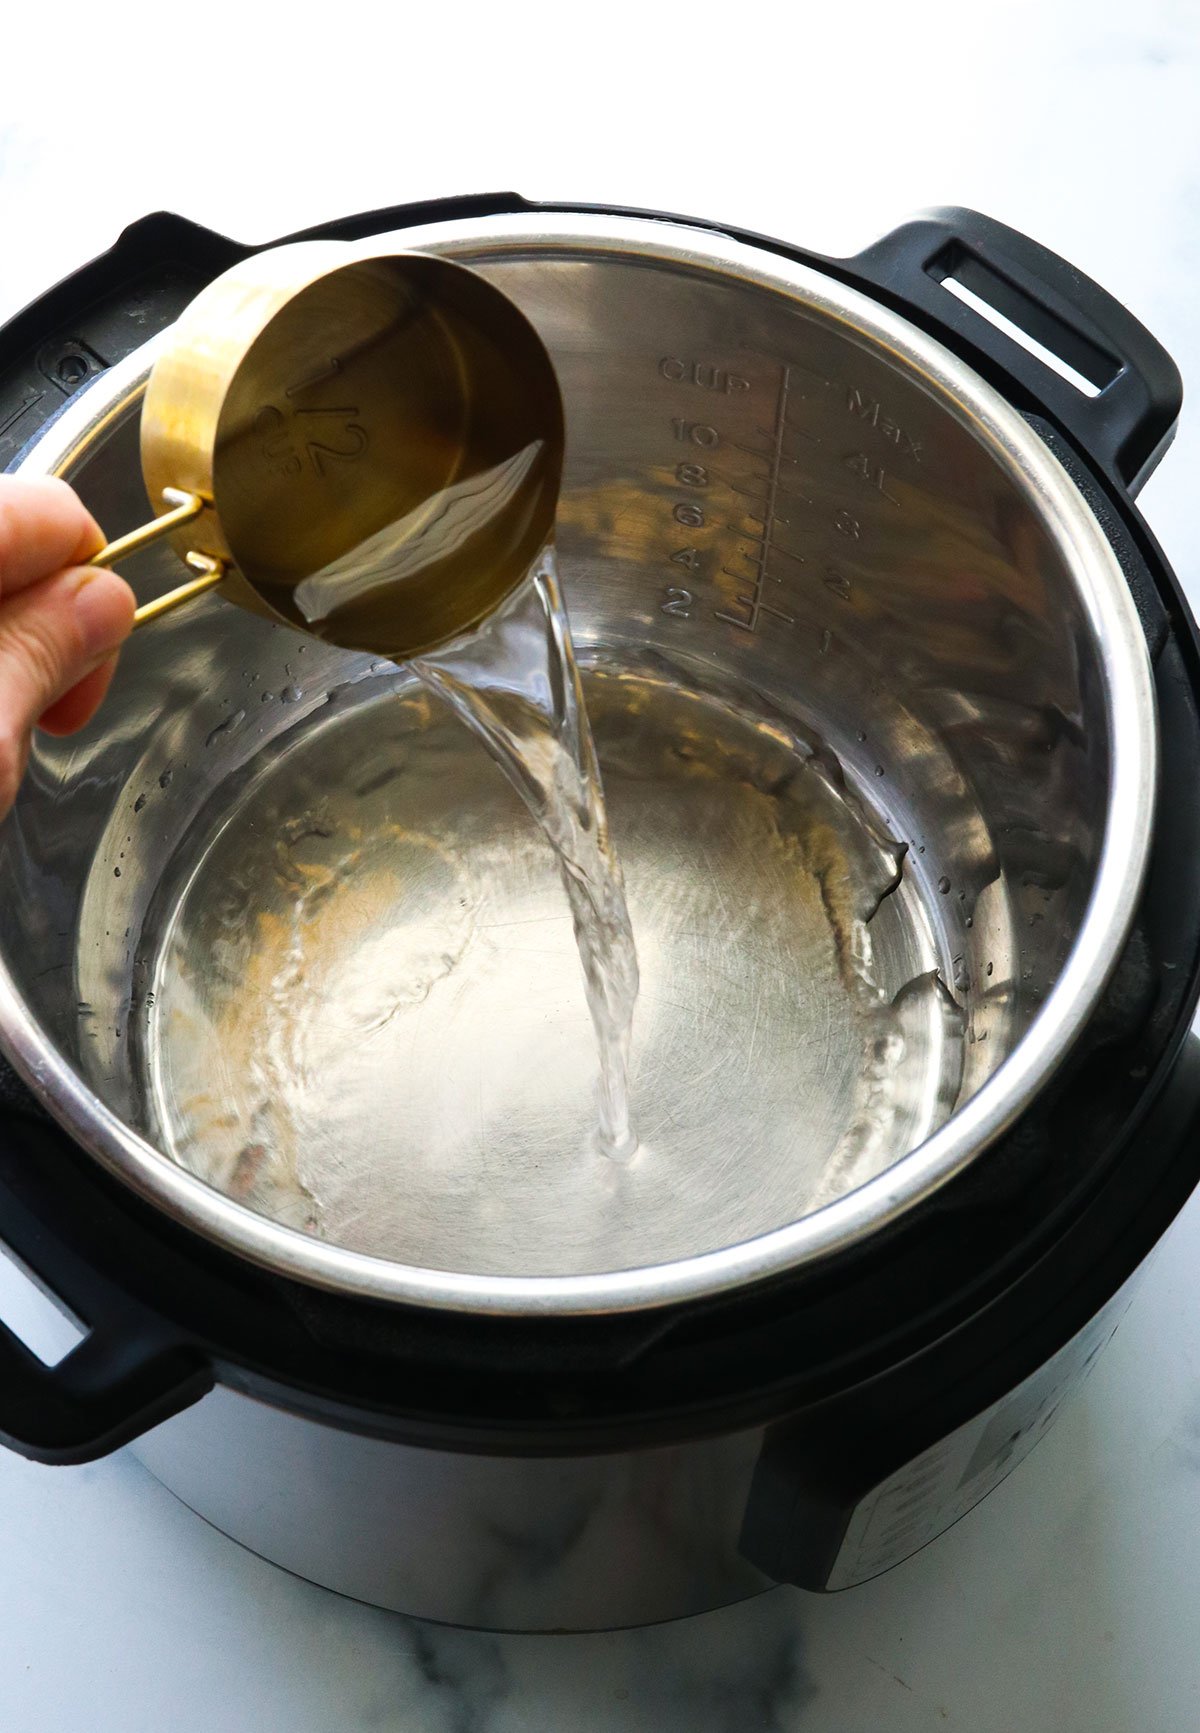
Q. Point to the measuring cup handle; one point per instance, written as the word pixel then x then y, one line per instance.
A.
pixel 211 573
pixel 184 507
pixel 1122 413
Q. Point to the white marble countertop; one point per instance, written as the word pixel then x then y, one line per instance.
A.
pixel 1070 1601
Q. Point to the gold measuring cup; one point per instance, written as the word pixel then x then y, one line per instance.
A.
pixel 366 447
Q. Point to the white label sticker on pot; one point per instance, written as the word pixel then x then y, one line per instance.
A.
pixel 922 1499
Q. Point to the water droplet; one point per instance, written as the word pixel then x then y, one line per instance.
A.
pixel 139 803
pixel 920 848
pixel 879 770
pixel 970 921
pixel 290 694
pixel 944 885
pixel 266 697
pixel 990 967
pixel 224 727
pixel 116 872
pixel 860 735
pixel 164 780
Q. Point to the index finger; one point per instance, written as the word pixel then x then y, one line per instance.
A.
pixel 44 526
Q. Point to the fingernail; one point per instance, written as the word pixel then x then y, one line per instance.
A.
pixel 104 610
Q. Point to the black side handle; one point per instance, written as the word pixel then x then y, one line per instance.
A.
pixel 129 1372
pixel 96 316
pixel 1127 425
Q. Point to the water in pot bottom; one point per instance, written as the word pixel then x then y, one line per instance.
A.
pixel 364 1013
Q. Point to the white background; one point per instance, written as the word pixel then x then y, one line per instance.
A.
pixel 1069 1602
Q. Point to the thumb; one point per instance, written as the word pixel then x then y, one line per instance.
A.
pixel 51 635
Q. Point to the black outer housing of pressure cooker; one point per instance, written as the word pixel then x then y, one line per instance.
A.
pixel 856 1366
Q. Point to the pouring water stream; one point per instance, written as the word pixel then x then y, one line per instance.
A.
pixel 515 683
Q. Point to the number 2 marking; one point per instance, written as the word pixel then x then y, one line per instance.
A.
pixel 318 451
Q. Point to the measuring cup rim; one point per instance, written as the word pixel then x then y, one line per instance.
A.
pixel 187 402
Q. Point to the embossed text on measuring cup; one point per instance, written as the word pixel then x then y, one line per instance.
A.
pixel 304 430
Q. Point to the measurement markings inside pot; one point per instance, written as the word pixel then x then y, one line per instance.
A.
pixel 768 491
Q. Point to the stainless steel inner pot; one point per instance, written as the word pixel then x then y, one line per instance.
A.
pixel 279 946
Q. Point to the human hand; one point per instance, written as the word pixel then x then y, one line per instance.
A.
pixel 60 619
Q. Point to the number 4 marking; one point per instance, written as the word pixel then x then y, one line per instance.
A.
pixel 688 557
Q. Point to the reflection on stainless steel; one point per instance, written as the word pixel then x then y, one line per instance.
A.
pixel 494 1542
pixel 461 511
pixel 830 590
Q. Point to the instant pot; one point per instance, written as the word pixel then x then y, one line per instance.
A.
pixel 846 525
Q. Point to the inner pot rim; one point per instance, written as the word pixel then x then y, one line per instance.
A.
pixel 1117 639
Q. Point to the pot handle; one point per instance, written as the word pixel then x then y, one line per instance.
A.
pixel 1122 413
pixel 128 1373
pixel 106 1392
